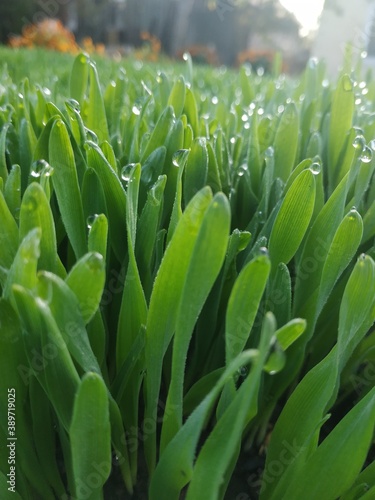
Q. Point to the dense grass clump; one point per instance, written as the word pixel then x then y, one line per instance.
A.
pixel 187 281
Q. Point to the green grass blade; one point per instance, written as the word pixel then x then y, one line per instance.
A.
pixel 86 279
pixel 115 198
pixel 165 300
pixel 8 234
pixel 243 304
pixel 217 453
pixel 65 182
pixel 286 142
pixel 96 119
pixel 90 436
pixel 171 475
pixel 36 212
pixel 205 264
pixel 292 219
pixel 342 455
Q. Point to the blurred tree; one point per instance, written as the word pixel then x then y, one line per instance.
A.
pixel 14 15
pixel 226 25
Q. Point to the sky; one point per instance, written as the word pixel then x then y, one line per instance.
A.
pixel 306 12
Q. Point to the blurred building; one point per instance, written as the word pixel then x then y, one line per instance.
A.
pixel 343 22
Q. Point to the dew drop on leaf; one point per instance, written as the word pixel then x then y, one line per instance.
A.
pixel 126 172
pixel 316 168
pixel 359 142
pixel 90 220
pixel 178 156
pixel 366 156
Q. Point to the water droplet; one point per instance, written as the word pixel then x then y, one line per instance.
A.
pixel 179 156
pixel 91 136
pixel 242 170
pixel 136 110
pixel 244 117
pixel 95 262
pixel 243 371
pixel 280 108
pixel 316 168
pixel 90 220
pixel 269 152
pixel 359 143
pixel 366 156
pixel 214 100
pixel 260 71
pixel 312 63
pixel 73 104
pixel 126 172
pixel 261 217
pixel 372 144
pixel 353 214
pixel 263 251
pixel 347 84
pixel 363 54
pixel 37 168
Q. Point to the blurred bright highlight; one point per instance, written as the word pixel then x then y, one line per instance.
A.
pixel 307 13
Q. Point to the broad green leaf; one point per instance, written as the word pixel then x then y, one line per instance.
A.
pixel 165 300
pixel 87 279
pixel 3 161
pixel 293 219
pixel 191 110
pixel 286 142
pixel 15 373
pixel 65 182
pixel 196 168
pixel 56 371
pixel 114 195
pixel 342 455
pixel 357 307
pixel 133 312
pixel 44 435
pixel 341 252
pixel 96 119
pixel 65 310
pixel 341 119
pixel 8 234
pixel 243 304
pixel 299 421
pixel 90 436
pixel 290 332
pixel 36 213
pixel 160 132
pixel 12 191
pixel 205 264
pixel 79 77
pixel 24 267
pixel 172 475
pixel 93 198
pixel 27 144
pixel 177 96
pixel 146 234
pixel 98 235
pixel 218 452
pixel 317 245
